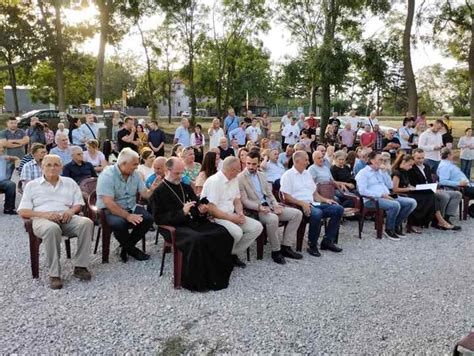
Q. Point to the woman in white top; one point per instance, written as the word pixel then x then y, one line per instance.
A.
pixel 146 168
pixel 466 144
pixel 215 133
pixel 94 156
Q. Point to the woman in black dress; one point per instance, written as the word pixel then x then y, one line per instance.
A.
pixel 426 210
pixel 206 247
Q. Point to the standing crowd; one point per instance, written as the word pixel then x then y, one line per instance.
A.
pixel 223 191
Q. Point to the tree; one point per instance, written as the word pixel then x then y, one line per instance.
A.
pixel 432 89
pixel 187 19
pixel 456 20
pixel 20 41
pixel 408 68
pixel 118 77
pixel 458 88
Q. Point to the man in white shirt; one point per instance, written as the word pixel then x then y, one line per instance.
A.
pixel 53 202
pixel 285 120
pixel 291 132
pixel 215 133
pixel 222 192
pixel 431 142
pixel 90 129
pixel 353 120
pixel 253 132
pixel 298 188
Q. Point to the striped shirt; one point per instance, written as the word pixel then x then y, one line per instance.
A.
pixel 31 170
pixel 40 195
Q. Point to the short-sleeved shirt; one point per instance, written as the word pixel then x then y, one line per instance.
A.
pixel 182 135
pixel 65 155
pixel 97 161
pixel 239 134
pixel 299 185
pixel 122 144
pixel 12 136
pixel 253 132
pixel 216 137
pixel 3 169
pixel 320 174
pixel 347 137
pixel 221 192
pixel 291 133
pixel 231 123
pixel 156 137
pixel 40 195
pixel 124 192
pixel 31 170
pixel 90 131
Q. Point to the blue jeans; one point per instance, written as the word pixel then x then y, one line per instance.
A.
pixel 433 164
pixel 10 194
pixel 397 210
pixel 332 211
pixel 466 165
pixel 120 227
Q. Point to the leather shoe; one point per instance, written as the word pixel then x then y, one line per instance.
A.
pixel 10 212
pixel 331 247
pixel 238 262
pixel 138 254
pixel 123 255
pixel 286 251
pixel 55 283
pixel 313 251
pixel 278 258
pixel 82 273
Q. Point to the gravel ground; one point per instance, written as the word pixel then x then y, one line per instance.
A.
pixel 412 296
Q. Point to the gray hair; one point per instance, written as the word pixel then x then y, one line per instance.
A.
pixel 126 155
pixel 229 161
pixel 59 137
pixel 340 154
pixel 75 148
pixel 298 155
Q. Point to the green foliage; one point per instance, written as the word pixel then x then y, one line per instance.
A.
pixel 117 77
pixel 457 80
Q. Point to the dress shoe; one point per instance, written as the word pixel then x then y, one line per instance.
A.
pixel 453 228
pixel 278 257
pixel 392 235
pixel 10 212
pixel 238 262
pixel 138 254
pixel 330 246
pixel 286 251
pixel 55 283
pixel 313 251
pixel 399 231
pixel 82 273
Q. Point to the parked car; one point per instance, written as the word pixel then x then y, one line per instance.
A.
pixel 51 117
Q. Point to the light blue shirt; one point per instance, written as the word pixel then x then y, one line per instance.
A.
pixel 77 137
pixel 86 132
pixel 282 158
pixel 231 123
pixel 449 174
pixel 273 171
pixel 257 185
pixel 64 155
pixel 239 134
pixel 182 135
pixel 373 183
pixel 124 192
pixel 359 165
pixel 3 169
pixel 151 179
pixel 320 174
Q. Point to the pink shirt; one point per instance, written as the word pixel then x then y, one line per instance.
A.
pixel 347 137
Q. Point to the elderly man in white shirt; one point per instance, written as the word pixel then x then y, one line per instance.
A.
pixel 90 129
pixel 431 141
pixel 223 193
pixel 52 202
pixel 298 188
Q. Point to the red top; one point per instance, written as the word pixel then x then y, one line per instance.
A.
pixel 367 138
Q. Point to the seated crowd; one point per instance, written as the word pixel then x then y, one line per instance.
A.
pixel 221 199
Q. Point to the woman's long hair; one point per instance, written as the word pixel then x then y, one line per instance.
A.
pixel 72 127
pixel 209 164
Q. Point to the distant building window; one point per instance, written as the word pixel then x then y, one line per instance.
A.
pixel 178 87
pixel 179 104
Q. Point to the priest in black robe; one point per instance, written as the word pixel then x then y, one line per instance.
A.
pixel 206 247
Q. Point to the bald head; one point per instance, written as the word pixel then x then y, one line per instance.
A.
pixel 175 169
pixel 318 158
pixel 159 166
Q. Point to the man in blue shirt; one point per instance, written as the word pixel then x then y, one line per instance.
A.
pixel 372 182
pixel 156 139
pixel 6 185
pixel 117 189
pixel 239 134
pixel 62 149
pixel 231 122
pixel 451 175
pixel 181 134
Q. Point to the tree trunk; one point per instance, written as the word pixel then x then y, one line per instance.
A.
pixel 471 69
pixel 151 85
pixel 314 90
pixel 58 57
pixel 99 73
pixel 12 77
pixel 325 109
pixel 407 65
pixel 170 88
pixel 192 90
